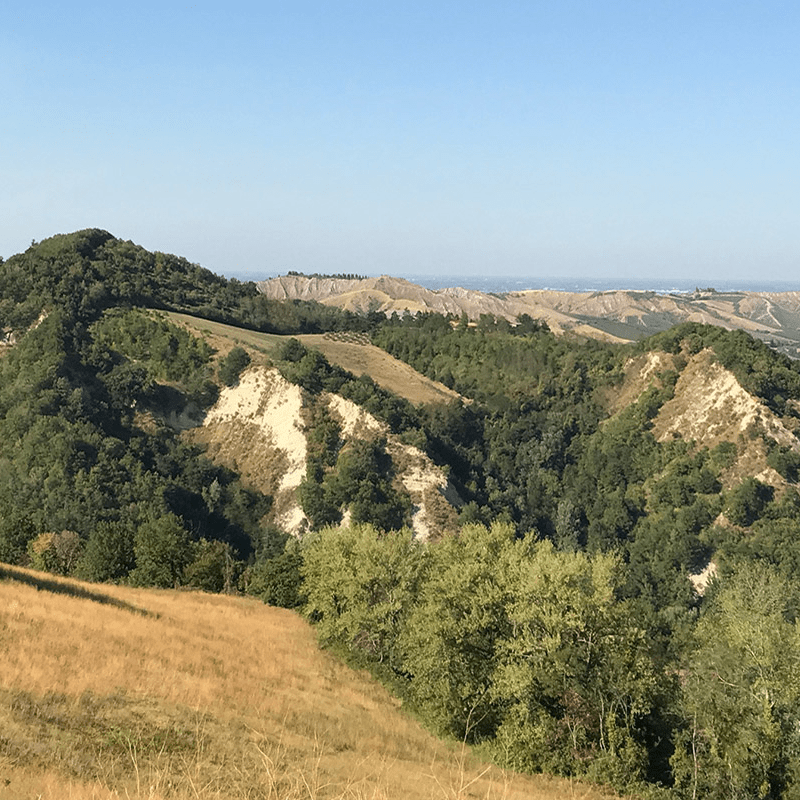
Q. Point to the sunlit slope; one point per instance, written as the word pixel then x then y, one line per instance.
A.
pixel 614 315
pixel 179 694
pixel 349 351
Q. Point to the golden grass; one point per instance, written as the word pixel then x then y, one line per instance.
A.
pixel 205 696
pixel 351 352
pixel 224 337
pixel 388 372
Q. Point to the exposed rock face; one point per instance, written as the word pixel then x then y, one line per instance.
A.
pixel 257 428
pixel 432 496
pixel 617 315
pixel 709 406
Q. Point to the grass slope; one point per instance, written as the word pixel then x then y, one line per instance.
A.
pixel 109 691
pixel 349 351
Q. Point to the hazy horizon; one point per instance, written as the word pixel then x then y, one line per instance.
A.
pixel 516 283
pixel 562 138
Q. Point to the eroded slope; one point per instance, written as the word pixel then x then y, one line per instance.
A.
pixel 258 428
pixel 709 406
pixel 617 315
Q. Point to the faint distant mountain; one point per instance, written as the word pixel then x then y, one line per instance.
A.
pixel 617 314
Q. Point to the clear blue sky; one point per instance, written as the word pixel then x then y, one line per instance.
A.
pixel 629 138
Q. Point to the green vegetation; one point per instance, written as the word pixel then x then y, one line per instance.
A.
pixel 86 272
pixel 558 629
pixel 535 655
pixel 348 276
pixel 232 366
pixel 760 370
pixel 76 456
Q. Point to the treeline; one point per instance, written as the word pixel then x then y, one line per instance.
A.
pixel 347 276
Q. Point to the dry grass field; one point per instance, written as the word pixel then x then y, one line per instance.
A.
pixel 356 355
pixel 112 692
pixel 349 351
pixel 224 337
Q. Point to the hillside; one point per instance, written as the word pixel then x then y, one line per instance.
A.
pixel 115 692
pixel 508 526
pixel 351 351
pixel 709 407
pixel 258 428
pixel 616 315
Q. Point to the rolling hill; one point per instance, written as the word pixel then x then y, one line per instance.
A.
pixel 163 427
pixel 351 351
pixel 616 315
pixel 117 692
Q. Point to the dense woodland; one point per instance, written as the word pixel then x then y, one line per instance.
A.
pixel 556 628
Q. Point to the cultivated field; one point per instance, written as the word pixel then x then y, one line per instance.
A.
pixel 349 351
pixel 110 692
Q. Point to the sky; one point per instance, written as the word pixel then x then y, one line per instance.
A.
pixel 629 138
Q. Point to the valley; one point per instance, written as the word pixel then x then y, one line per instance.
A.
pixel 575 553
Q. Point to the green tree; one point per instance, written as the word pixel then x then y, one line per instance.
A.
pixel 359 583
pixel 278 580
pixel 108 554
pixel 362 481
pixel 212 568
pixel 449 642
pixel 232 365
pixel 741 696
pixel 162 551
pixel 744 504
pixel 574 674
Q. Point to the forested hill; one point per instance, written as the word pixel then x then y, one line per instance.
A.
pixel 85 272
pixel 554 615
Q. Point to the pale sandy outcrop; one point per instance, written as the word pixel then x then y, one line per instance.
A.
pixel 432 496
pixel 356 422
pixel 701 580
pixel 266 399
pixel 257 428
pixel 710 406
pixel 640 373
